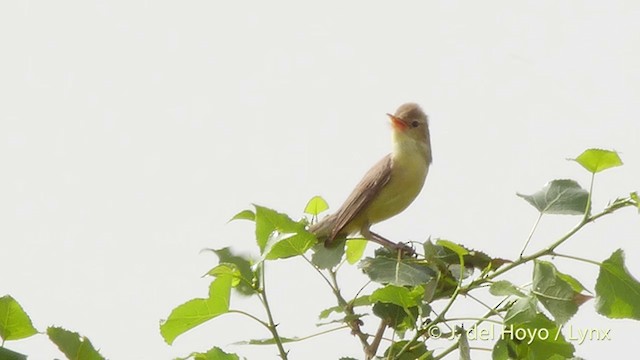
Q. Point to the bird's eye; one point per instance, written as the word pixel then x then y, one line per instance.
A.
pixel 415 124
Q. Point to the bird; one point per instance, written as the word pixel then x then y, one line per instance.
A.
pixel 389 187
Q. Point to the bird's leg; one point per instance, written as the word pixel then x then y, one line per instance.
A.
pixel 370 235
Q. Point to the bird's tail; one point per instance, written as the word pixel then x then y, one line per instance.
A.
pixel 322 229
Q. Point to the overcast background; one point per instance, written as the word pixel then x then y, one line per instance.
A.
pixel 131 131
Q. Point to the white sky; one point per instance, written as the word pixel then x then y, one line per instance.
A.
pixel 130 131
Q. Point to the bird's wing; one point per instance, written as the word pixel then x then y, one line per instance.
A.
pixel 374 180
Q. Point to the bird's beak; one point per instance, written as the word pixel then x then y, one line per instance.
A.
pixel 397 123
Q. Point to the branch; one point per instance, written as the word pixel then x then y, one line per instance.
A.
pixel 272 326
pixel 354 325
pixel 549 250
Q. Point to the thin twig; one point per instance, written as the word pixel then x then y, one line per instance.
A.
pixel 272 326
pixel 373 348
pixel 348 310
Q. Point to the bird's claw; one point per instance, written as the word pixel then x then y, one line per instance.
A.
pixel 405 249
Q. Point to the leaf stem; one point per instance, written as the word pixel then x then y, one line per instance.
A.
pixel 319 334
pixel 474 318
pixel 440 317
pixel 263 323
pixel 533 229
pixel 319 272
pixel 576 258
pixel 587 209
pixel 491 310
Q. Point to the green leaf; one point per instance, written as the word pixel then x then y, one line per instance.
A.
pixel 573 282
pixel 472 258
pixel 617 292
pixel 355 249
pixel 463 344
pixel 269 221
pixel 397 317
pixel 288 245
pixel 538 338
pixel 458 249
pixel 430 289
pixel 400 272
pixel 316 206
pixel 458 272
pixel 225 269
pixel 359 301
pixel 634 197
pixel 327 257
pixel 14 322
pixel 559 293
pixel 197 311
pixel 268 341
pixel 215 354
pixel 243 264
pixel 398 295
pixel 6 354
pixel 597 160
pixel 440 254
pixel 73 345
pixel 502 349
pixel 523 310
pixel 244 215
pixel 504 288
pixel 417 351
pixel 563 197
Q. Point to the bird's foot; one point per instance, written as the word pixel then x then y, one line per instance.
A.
pixel 402 248
pixel 405 249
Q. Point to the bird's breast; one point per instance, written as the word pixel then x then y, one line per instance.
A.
pixel 408 173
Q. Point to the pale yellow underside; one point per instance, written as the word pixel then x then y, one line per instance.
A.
pixel 408 172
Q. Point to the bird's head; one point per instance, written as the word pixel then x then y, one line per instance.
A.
pixel 410 122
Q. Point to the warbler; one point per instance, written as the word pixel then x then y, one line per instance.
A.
pixel 389 187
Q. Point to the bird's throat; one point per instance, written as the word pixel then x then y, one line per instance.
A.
pixel 409 150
